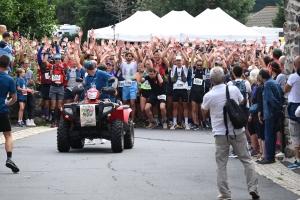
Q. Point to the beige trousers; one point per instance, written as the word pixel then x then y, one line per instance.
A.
pixel 239 145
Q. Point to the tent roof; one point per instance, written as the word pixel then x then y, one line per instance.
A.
pixel 136 26
pixel 221 26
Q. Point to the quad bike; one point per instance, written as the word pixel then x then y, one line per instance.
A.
pixel 110 121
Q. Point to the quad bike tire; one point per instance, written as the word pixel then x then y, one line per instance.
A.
pixel 77 143
pixel 117 136
pixel 129 137
pixel 63 143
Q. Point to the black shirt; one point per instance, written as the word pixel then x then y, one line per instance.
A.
pixel 157 88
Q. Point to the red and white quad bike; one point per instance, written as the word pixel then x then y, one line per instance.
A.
pixel 102 119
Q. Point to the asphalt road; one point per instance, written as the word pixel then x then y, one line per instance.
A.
pixel 163 165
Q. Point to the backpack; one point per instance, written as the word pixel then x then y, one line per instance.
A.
pixel 175 77
pixel 242 87
pixel 236 114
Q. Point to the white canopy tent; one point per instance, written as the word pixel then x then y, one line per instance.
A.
pixel 216 24
pixel 271 34
pixel 210 24
pixel 135 28
pixel 172 24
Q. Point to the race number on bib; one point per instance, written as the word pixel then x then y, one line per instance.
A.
pixel 162 97
pixel 127 83
pixel 56 78
pixel 179 85
pixel 198 81
pixel 120 83
pixel 47 76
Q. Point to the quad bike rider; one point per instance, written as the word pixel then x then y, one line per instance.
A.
pixel 96 116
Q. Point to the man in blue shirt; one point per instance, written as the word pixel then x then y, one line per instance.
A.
pixel 7 86
pixel 96 78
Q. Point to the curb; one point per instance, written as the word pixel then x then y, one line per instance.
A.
pixel 26 133
pixel 280 175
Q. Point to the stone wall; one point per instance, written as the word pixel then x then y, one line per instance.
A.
pixel 14 109
pixel 292 37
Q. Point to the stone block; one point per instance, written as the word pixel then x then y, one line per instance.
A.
pixel 296 8
pixel 295 51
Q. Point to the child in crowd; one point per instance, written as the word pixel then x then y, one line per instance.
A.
pixel 21 94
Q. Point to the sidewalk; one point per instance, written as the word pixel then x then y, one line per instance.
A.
pixel 23 132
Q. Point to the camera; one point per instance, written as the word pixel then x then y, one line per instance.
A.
pixel 257 52
pixel 197 47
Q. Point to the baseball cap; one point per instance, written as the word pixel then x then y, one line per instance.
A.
pixel 109 63
pixel 89 65
pixel 57 56
pixel 178 57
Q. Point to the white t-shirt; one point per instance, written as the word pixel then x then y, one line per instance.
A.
pixel 294 82
pixel 179 84
pixel 248 88
pixel 214 101
pixel 129 70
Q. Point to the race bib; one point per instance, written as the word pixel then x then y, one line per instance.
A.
pixel 204 77
pixel 120 83
pixel 47 75
pixel 198 81
pixel 24 92
pixel 179 85
pixel 127 83
pixel 147 84
pixel 56 78
pixel 193 76
pixel 162 97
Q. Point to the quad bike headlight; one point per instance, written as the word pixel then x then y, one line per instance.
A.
pixel 68 111
pixel 107 109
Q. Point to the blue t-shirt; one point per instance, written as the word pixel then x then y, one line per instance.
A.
pixel 99 79
pixel 22 83
pixel 7 86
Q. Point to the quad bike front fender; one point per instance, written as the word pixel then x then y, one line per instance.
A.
pixel 121 113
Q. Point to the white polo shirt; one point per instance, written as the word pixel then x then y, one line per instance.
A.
pixel 214 101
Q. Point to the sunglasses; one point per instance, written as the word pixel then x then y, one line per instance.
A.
pixel 56 58
pixel 199 65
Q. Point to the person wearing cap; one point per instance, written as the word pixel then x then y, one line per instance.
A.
pixel 197 89
pixel 179 74
pixel 95 78
pixel 56 92
pixel 129 69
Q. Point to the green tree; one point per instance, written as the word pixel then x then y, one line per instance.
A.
pixel 279 19
pixel 64 11
pixel 31 18
pixel 238 9
pixel 91 14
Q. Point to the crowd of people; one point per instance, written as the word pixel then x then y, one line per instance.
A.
pixel 164 81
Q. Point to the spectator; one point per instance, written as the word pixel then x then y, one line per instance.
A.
pixel 5 47
pixel 29 106
pixel 22 94
pixel 2 30
pixel 272 109
pixel 293 88
pixel 214 101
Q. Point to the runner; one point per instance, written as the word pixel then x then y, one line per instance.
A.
pixel 7 86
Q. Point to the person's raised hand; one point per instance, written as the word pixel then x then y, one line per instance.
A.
pixel 65 39
pixel 80 33
pixel 77 40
